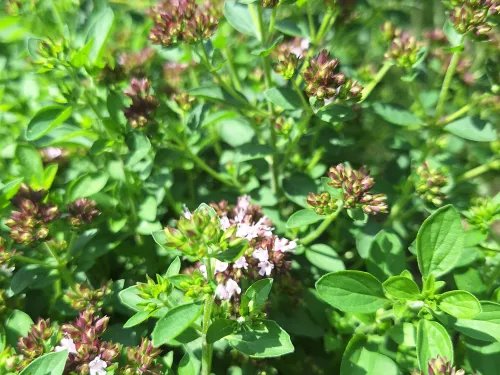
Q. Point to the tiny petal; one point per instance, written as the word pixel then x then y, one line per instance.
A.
pixel 261 254
pixel 241 263
pixel 97 366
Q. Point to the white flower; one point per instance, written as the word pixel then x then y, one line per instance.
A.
pixel 225 292
pixel 261 254
pixel 284 245
pixel 225 223
pixel 266 268
pixel 66 343
pixel 241 208
pixel 301 48
pixel 52 152
pixel 97 366
pixel 241 262
pixel 251 231
pixel 186 213
pixel 219 267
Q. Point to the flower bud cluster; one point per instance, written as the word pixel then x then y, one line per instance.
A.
pixel 196 285
pixel 283 125
pixel 35 343
pixel 267 254
pixel 82 212
pixel 143 360
pixel 429 184
pixel 5 256
pixel 159 289
pixel 55 155
pixel 86 299
pixel 183 100
pixel 288 56
pixel 471 16
pixel 173 73
pixel 87 351
pixel 182 21
pixel 29 223
pixel 440 366
pixel 483 213
pixel 323 81
pixel 135 63
pixel 356 185
pixel 144 104
pixel 404 47
pixel 322 203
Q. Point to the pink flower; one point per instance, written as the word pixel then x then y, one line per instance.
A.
pixel 186 213
pixel 265 268
pixel 241 263
pixel 284 245
pixel 251 231
pixel 219 267
pixel 97 366
pixel 66 343
pixel 225 223
pixel 261 254
pixel 225 292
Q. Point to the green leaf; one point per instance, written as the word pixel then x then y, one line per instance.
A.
pixel 387 257
pixel 174 267
pixel 220 329
pixel 432 340
pixel 18 325
pixel 86 185
pixel 284 98
pixel 99 30
pixel 460 304
pixel 214 93
pixel 256 296
pixel 137 319
pixel 235 250
pixel 439 242
pixel 302 218
pixel 297 187
pixel 266 50
pixel 402 287
pixel 31 165
pixel 240 17
pixel 325 258
pixel 187 365
pixel 473 129
pixel 49 175
pixel 46 119
pixel 264 339
pixel 336 193
pixel 130 297
pixel 27 276
pixel 251 151
pixel 139 146
pixel 115 107
pixel 358 359
pixel 147 209
pixel 175 321
pixel 47 364
pixel 358 215
pixel 236 131
pixel 452 35
pixel 9 190
pixel 352 291
pixel 396 115
pixel 335 113
pixel 81 57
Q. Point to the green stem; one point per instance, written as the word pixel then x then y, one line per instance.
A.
pixel 319 230
pixel 304 101
pixel 462 111
pixel 380 75
pixel 206 348
pixel 312 28
pixel 57 17
pixel 406 195
pixel 302 128
pixel 493 279
pixel 232 70
pixel 494 164
pixel 447 81
pixel 323 29
pixel 29 260
pixel 272 22
pixel 65 274
pixel 208 169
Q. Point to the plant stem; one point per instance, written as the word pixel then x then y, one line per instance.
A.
pixel 304 101
pixel 310 19
pixel 29 260
pixel 272 22
pixel 380 74
pixel 57 17
pixel 302 128
pixel 206 348
pixel 319 230
pixel 209 169
pixel 401 202
pixel 493 164
pixel 65 274
pixel 462 111
pixel 232 70
pixel 447 81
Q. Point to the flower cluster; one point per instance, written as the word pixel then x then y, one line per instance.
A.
pixel 266 256
pixel 54 155
pixel 142 360
pixel 269 3
pixel 82 298
pixel 35 343
pixel 404 48
pixel 429 184
pixel 471 16
pixel 323 81
pixel 283 125
pixel 179 21
pixel 88 353
pixel 289 55
pixel 183 100
pixel 136 62
pixel 140 112
pixel 322 203
pixel 82 211
pixel 440 366
pixel 356 186
pixel 29 223
pixel 483 214
pixel 173 73
pixel 5 256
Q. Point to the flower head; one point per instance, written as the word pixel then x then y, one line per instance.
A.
pixel 82 211
pixel 68 344
pixel 97 366
pixel 144 104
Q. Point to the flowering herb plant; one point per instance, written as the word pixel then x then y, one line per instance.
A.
pixel 249 187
